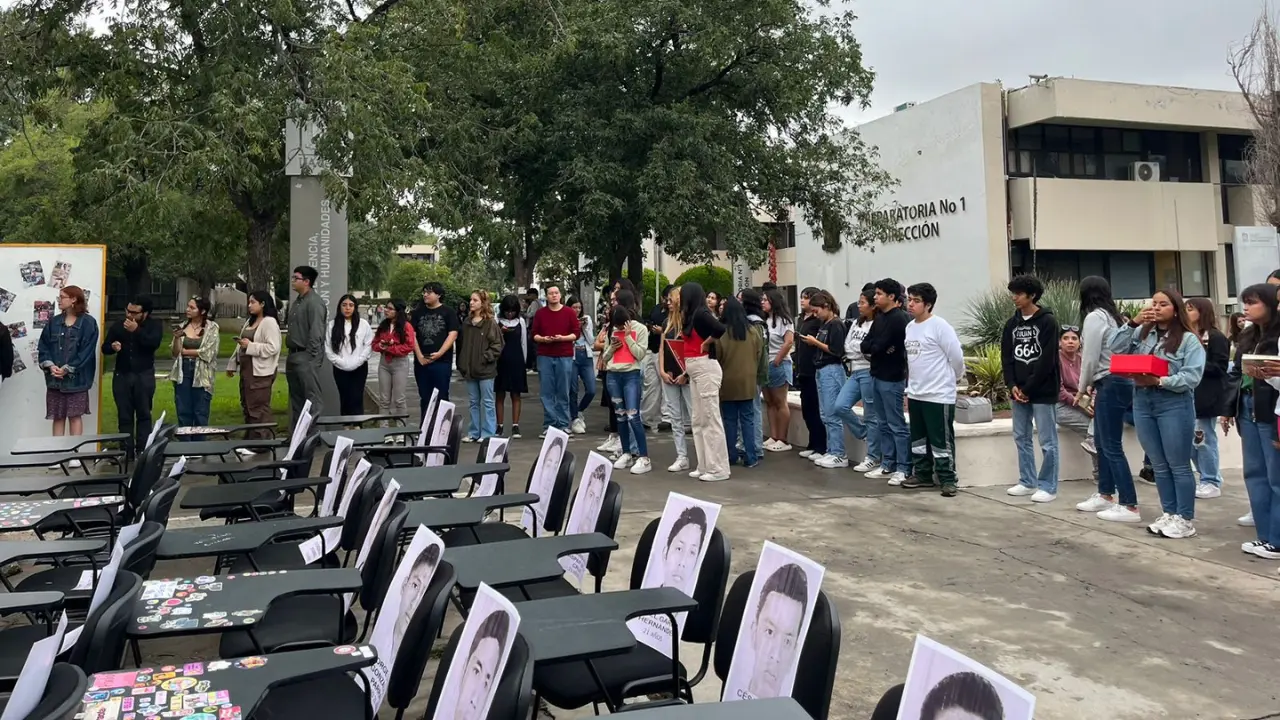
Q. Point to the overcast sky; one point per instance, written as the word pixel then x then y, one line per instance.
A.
pixel 921 49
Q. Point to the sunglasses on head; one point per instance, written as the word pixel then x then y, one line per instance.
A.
pixel 1071 328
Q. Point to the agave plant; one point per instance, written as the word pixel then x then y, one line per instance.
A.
pixel 985 317
pixel 988 374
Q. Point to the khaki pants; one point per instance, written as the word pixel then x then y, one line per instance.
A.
pixel 255 400
pixel 708 425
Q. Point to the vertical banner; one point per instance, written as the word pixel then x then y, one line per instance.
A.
pixel 741 275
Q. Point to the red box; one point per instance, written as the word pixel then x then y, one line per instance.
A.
pixel 1139 365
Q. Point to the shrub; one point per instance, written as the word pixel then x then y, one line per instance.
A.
pixel 710 277
pixel 646 288
pixel 406 281
pixel 987 313
pixel 988 374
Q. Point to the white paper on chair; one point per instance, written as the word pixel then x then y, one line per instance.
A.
pixel 489 483
pixel 106 579
pixel 476 669
pixel 544 480
pixel 337 470
pixel 179 467
pixel 440 434
pixel 126 535
pixel 34 678
pixel 586 511
pixel 375 528
pixel 155 430
pixel 425 430
pixel 937 673
pixel 299 430
pixel 329 538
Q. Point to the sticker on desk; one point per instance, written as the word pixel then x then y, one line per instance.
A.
pixel 167 692
pixel 175 604
pixel 472 677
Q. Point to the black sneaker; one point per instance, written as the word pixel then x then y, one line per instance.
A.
pixel 515 432
pixel 913 483
pixel 949 490
pixel 1148 474
pixel 664 427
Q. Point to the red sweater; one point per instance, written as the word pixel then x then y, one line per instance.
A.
pixel 549 323
pixel 390 346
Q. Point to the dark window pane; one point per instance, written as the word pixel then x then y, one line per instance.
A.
pixel 1118 167
pixel 1084 140
pixel 1024 162
pixel 1028 138
pixel 1057 137
pixel 1231 269
pixel 1111 141
pixel 1130 274
pixel 1132 141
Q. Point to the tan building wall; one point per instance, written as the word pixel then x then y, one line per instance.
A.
pixel 1066 100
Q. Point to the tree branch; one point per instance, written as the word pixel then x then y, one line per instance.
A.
pixel 382 9
pixel 718 78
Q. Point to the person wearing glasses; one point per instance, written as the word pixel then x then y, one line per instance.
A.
pixel 134 341
pixel 307 329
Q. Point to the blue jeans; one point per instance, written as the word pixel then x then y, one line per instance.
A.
pixel 1112 402
pixel 1261 472
pixel 1206 453
pixel 192 403
pixel 624 392
pixel 740 416
pixel 435 376
pixel 831 379
pixel 583 369
pixel 1166 424
pixel 484 414
pixel 1044 416
pixel 867 427
pixel 895 437
pixel 553 376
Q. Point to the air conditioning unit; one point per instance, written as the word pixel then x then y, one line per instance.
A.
pixel 1146 172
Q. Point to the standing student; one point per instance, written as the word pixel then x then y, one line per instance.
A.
pixel 885 348
pixel 739 352
pixel 6 353
pixel 1073 411
pixel 584 368
pixel 307 325
pixel 195 351
pixel 1209 394
pixel 828 362
pixel 512 379
pixel 753 303
pixel 714 303
pixel 258 360
pixel 134 341
pixel 397 343
pixel 700 328
pixel 481 347
pixel 858 386
pixel 806 377
pixel 675 381
pixel 555 329
pixel 436 327
pixel 780 331
pixel 1116 498
pixel 68 354
pixel 348 349
pixel 531 307
pixel 935 365
pixel 653 408
pixel 1164 410
pixel 1029 357
pixel 624 350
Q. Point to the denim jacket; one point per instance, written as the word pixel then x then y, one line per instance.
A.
pixel 1186 366
pixel 74 347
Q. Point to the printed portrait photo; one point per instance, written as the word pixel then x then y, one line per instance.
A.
pixel 32 273
pixel 6 300
pixel 586 510
pixel 495 453
pixel 774 624
pixel 942 684
pixel 60 275
pixel 440 435
pixel 544 479
pixel 42 314
pixel 481 654
pixel 342 448
pixel 379 519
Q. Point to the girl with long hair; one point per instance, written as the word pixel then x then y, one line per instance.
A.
pixel 858 387
pixel 195 351
pixel 700 328
pixel 511 379
pixel 780 333
pixel 828 346
pixel 584 368
pixel 675 381
pixel 1164 410
pixel 258 360
pixel 624 350
pixel 68 354
pixel 481 346
pixel 397 343
pixel 349 347
pixel 740 354
pixel 1116 498
pixel 806 377
pixel 714 303
pixel 1254 413
pixel 1209 394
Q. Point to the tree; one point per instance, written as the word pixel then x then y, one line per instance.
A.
pixel 710 277
pixel 1255 64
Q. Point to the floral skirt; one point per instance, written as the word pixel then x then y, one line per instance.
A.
pixel 61 406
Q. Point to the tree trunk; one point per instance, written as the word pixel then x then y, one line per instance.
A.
pixel 137 275
pixel 258 273
pixel 524 258
pixel 635 260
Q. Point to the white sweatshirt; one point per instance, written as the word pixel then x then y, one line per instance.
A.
pixel 858 330
pixel 935 361
pixel 349 358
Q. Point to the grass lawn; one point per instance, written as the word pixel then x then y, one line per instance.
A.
pixel 224 410
pixel 228 333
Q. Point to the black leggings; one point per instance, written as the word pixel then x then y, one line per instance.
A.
pixel 812 414
pixel 351 389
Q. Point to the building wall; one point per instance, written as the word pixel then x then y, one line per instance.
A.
pixel 1066 100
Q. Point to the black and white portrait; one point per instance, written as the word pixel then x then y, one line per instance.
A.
pixel 480 657
pixel 942 684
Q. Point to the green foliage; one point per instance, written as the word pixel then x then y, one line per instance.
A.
pixel 408 277
pixel 986 314
pixel 710 277
pixel 647 288
pixel 988 374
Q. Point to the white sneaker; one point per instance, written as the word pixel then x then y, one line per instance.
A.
pixel 1020 490
pixel 780 446
pixel 623 462
pixel 1121 514
pixel 578 427
pixel 74 464
pixel 1179 528
pixel 1206 490
pixel 1266 551
pixel 641 466
pixel 1041 496
pixel 1088 446
pixel 878 474
pixel 1095 503
pixel 680 465
pixel 709 477
pixel 1246 520
pixel 1250 546
pixel 1156 527
pixel 245 453
pixel 833 462
pixel 542 435
pixel 817 459
pixel 897 479
pixel 806 453
pixel 470 439
pixel 611 444
pixel 696 474
pixel 866 466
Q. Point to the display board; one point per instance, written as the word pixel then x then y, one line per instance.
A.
pixel 30 279
pixel 1257 253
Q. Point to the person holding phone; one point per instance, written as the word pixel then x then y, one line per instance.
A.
pixel 195 351
pixel 624 351
pixel 806 378
pixel 828 362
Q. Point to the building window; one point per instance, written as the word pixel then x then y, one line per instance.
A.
pixel 1131 274
pixel 783 234
pixel 1231 270
pixel 1065 151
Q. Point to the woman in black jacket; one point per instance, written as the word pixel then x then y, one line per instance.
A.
pixel 1209 394
pixel 6 353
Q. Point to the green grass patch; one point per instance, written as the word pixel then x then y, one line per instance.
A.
pixel 228 334
pixel 223 410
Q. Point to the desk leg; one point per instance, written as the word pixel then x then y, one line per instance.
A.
pixel 675 655
pixel 137 652
pixel 608 701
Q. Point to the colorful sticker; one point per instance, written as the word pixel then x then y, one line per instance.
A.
pixel 250 663
pixel 178 684
pixel 193 669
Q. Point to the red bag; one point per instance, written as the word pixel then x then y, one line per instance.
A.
pixel 1139 365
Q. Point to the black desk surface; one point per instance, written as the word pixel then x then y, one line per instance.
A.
pixel 208 448
pixel 237 539
pixel 369 436
pixel 47 484
pixel 22 514
pixel 579 627
pixel 218 603
pixel 10 602
pixel 440 479
pixel 445 513
pixel 244 493
pixel 517 562
pixel 212 690
pixel 771 709
pixel 10 462
pixel 330 420
pixel 62 444
pixel 11 550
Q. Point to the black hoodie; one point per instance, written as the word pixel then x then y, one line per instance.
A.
pixel 1029 354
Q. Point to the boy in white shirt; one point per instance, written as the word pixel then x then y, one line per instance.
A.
pixel 935 364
